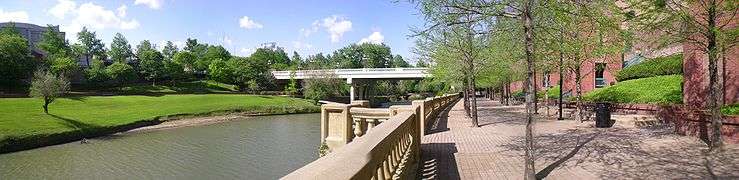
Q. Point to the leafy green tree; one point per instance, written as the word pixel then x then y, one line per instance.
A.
pixel 122 73
pixel 322 86
pixel 296 59
pixel 151 64
pixel 213 53
pixel 198 50
pixel 90 45
pixel 48 86
pixel 54 44
pixel 292 86
pixel 144 46
pixel 15 57
pixel 186 59
pixel 219 71
pixel 709 26
pixel 174 71
pixel 398 62
pixel 366 55
pixel 97 72
pixel 64 66
pixel 169 50
pixel 245 70
pixel 120 50
pixel 276 59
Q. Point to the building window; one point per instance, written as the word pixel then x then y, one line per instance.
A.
pixel 599 80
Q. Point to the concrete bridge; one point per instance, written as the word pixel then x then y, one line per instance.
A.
pixel 356 77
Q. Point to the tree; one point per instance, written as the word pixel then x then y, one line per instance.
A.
pixel 322 86
pixel 151 64
pixel 169 50
pixel 96 73
pixel 120 50
pixel 121 72
pixel 54 44
pixel 186 59
pixel 366 55
pixel 144 46
pixel 219 71
pixel 398 62
pixel 275 58
pixel 213 53
pixel 296 60
pixel 708 25
pixel 292 86
pixel 48 86
pixel 64 66
pixel 15 57
pixel 90 45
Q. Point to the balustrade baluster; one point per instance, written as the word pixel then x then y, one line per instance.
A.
pixel 386 168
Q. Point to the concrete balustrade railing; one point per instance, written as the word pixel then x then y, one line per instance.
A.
pixel 372 143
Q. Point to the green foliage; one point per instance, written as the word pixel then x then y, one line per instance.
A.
pixel 652 90
pixel 65 66
pixel 292 86
pixel 322 86
pixel 47 86
pixel 276 59
pixel 15 58
pixel 366 55
pixel 97 73
pixel 120 50
pixel 122 73
pixel 186 59
pixel 169 50
pixel 553 92
pixel 731 110
pixel 667 65
pixel 90 46
pixel 22 123
pixel 151 65
pixel 399 62
pixel 219 71
pixel 54 44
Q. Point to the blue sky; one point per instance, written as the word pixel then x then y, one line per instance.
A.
pixel 307 27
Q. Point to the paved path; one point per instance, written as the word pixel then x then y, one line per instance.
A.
pixel 453 149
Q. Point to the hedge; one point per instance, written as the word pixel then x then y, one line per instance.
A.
pixel 652 90
pixel 667 65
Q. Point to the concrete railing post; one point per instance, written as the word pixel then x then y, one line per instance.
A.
pixel 336 125
pixel 421 106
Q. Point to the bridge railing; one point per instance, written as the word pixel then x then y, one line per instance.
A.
pixel 376 143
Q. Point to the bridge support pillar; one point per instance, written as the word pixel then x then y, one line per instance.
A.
pixel 351 90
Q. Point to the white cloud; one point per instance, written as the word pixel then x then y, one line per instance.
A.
pixel 227 41
pixel 121 11
pixel 153 4
pixel 97 17
pixel 336 26
pixel 374 38
pixel 301 45
pixel 308 31
pixel 246 51
pixel 61 8
pixel 14 16
pixel 247 23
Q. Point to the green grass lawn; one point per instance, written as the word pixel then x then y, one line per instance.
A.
pixel 23 118
pixel 194 87
pixel 652 90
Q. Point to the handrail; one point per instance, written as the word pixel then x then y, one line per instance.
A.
pixel 372 143
pixel 381 154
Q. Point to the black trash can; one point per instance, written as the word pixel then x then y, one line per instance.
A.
pixel 603 115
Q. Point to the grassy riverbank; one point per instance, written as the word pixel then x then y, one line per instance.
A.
pixel 23 124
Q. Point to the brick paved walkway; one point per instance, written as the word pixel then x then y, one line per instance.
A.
pixel 453 149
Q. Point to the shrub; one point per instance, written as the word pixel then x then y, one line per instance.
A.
pixel 731 110
pixel 652 90
pixel 554 92
pixel 667 65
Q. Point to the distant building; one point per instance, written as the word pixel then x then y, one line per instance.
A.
pixel 33 33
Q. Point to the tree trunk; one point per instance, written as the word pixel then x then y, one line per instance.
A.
pixel 502 94
pixel 561 85
pixel 578 91
pixel 546 94
pixel 715 93
pixel 466 100
pixel 46 105
pixel 536 96
pixel 473 103
pixel 529 170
